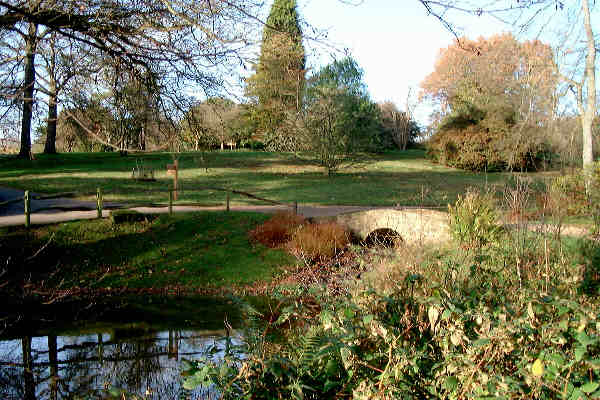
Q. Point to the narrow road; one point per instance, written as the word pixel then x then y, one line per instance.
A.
pixel 62 210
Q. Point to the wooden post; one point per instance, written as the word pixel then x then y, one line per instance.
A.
pixel 27 209
pixel 175 178
pixel 170 201
pixel 227 206
pixel 99 202
pixel 173 169
pixel 295 207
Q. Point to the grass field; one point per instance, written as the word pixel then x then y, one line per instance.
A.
pixel 195 250
pixel 405 178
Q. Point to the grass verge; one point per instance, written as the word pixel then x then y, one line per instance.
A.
pixel 186 251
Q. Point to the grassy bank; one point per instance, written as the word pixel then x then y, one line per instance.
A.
pixel 405 178
pixel 196 250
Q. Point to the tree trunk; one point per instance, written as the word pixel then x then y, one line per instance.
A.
pixel 28 378
pixel 590 109
pixel 28 88
pixel 50 146
pixel 143 137
pixel 53 360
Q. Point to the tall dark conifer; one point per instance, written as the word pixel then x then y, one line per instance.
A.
pixel 278 84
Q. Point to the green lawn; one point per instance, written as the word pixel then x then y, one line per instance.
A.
pixel 194 250
pixel 405 178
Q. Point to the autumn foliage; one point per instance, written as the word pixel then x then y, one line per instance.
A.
pixel 318 242
pixel 310 242
pixel 495 99
pixel 278 229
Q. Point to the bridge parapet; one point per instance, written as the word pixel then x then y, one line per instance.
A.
pixel 413 225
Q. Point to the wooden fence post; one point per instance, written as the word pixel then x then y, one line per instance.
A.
pixel 27 209
pixel 170 201
pixel 227 206
pixel 295 207
pixel 175 178
pixel 99 202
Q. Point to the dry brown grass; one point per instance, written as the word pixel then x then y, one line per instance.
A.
pixel 318 242
pixel 278 229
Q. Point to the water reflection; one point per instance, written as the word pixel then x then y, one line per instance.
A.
pixel 57 367
pixel 140 361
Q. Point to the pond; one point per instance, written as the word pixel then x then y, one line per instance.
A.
pixel 135 348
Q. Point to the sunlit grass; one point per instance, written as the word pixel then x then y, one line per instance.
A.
pixel 405 178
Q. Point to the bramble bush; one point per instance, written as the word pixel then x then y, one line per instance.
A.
pixel 451 330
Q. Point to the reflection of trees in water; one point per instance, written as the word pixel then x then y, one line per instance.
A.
pixel 62 367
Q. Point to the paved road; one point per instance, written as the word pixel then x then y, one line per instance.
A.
pixel 70 210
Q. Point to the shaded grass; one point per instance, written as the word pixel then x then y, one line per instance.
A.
pixel 195 250
pixel 404 178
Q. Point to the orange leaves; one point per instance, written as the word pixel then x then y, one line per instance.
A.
pixel 278 229
pixel 494 72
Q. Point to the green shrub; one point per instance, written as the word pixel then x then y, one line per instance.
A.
pixel 120 216
pixel 473 220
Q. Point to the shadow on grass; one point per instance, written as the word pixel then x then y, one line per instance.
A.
pixel 194 250
pixel 345 188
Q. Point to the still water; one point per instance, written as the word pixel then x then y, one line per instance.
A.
pixel 142 356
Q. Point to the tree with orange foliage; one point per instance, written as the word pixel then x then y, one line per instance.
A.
pixel 498 75
pixel 498 88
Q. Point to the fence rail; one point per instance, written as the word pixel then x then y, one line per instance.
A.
pixel 27 198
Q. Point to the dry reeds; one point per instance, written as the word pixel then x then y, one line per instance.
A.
pixel 318 242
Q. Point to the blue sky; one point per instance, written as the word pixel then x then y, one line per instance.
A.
pixel 394 41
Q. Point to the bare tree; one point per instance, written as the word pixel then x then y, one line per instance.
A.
pixel 187 42
pixel 400 124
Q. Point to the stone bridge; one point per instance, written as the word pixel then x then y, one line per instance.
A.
pixel 412 225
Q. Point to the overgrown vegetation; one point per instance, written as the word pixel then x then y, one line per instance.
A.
pixel 511 314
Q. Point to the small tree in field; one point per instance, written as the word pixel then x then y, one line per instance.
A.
pixel 339 118
pixel 325 131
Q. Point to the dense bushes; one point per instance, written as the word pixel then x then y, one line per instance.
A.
pixel 516 319
pixel 475 147
pixel 318 242
pixel 450 327
pixel 278 229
